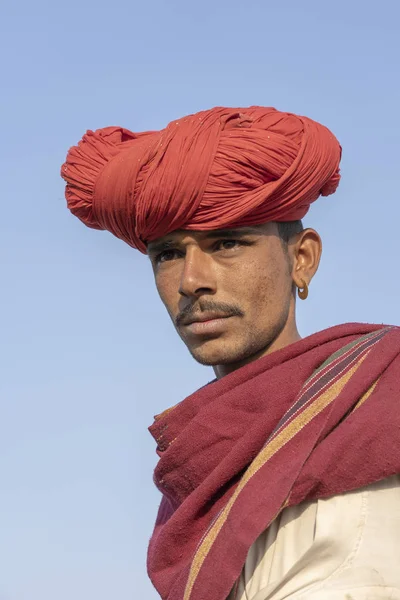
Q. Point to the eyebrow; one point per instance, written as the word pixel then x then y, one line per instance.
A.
pixel 157 247
pixel 167 244
pixel 232 233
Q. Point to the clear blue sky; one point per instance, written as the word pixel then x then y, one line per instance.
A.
pixel 88 355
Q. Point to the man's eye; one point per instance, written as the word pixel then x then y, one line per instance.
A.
pixel 227 244
pixel 166 256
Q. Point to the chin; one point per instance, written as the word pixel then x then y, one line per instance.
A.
pixel 216 352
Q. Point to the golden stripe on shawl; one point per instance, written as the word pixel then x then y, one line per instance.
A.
pixel 366 395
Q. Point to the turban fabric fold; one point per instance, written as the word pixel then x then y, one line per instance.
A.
pixel 224 167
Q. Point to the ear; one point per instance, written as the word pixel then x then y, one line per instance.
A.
pixel 306 253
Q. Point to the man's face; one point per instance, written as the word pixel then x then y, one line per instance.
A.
pixel 228 293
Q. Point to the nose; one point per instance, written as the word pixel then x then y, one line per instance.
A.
pixel 198 275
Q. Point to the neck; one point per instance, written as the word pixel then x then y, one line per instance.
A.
pixel 288 335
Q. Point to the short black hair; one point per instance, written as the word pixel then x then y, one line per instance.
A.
pixel 287 229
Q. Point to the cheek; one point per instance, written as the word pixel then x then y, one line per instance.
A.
pixel 167 290
pixel 262 286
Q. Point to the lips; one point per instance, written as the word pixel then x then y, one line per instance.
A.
pixel 209 325
pixel 203 318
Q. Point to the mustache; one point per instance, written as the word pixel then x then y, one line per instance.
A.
pixel 193 310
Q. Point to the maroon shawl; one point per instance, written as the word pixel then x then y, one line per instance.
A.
pixel 317 418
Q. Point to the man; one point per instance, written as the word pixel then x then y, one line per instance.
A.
pixel 280 479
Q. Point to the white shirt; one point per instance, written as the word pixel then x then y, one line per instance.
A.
pixel 343 548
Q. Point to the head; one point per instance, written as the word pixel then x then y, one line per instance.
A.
pixel 231 293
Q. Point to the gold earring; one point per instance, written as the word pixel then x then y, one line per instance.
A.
pixel 302 291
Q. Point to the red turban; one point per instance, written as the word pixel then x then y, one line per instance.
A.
pixel 224 167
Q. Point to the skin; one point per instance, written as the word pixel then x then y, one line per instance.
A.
pixel 247 275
